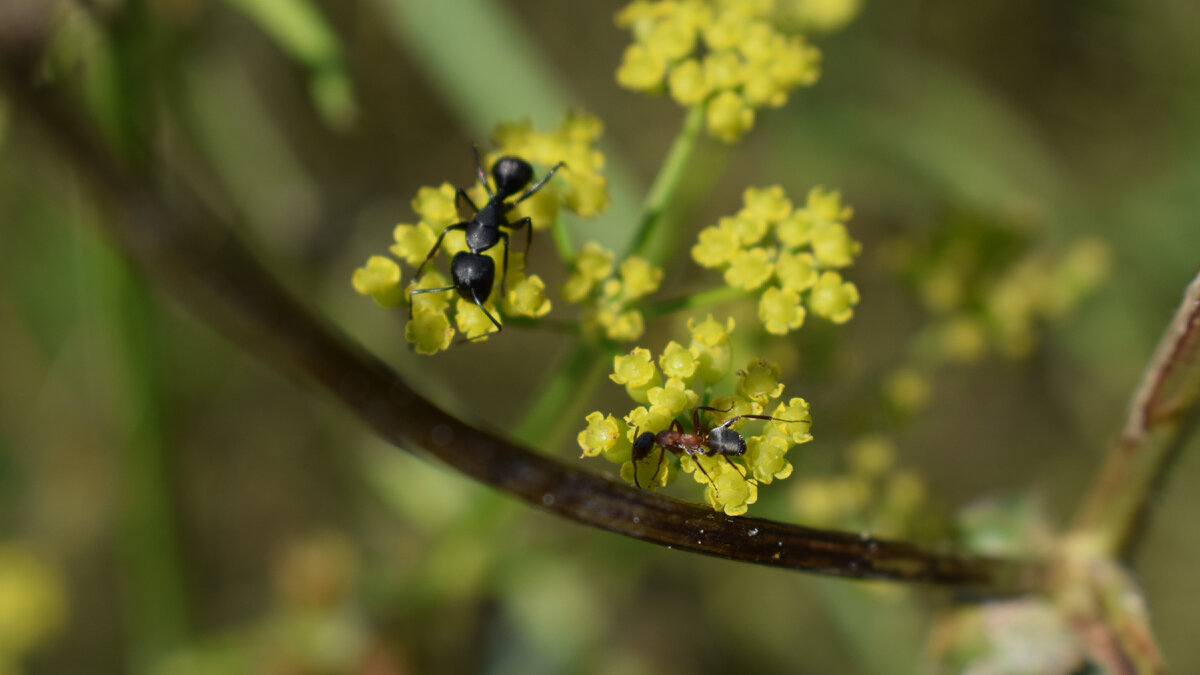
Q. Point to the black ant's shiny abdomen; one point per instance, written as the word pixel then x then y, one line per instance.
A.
pixel 474 274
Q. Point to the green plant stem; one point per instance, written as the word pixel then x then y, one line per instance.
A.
pixel 565 394
pixel 562 241
pixel 152 585
pixel 1164 409
pixel 713 296
pixel 667 182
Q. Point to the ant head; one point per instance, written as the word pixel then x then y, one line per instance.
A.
pixel 473 272
pixel 511 174
pixel 726 441
pixel 642 445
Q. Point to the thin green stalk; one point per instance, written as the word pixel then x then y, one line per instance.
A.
pixel 1164 410
pixel 662 192
pixel 565 394
pixel 713 296
pixel 151 577
pixel 562 241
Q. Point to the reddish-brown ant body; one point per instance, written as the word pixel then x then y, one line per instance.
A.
pixel 722 440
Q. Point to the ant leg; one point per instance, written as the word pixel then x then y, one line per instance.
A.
pixel 462 195
pixel 504 273
pixel 735 418
pixel 716 490
pixel 538 185
pixel 479 172
pixel 525 222
pixel 735 466
pixel 436 245
pixel 662 455
pixel 486 313
pixel 419 291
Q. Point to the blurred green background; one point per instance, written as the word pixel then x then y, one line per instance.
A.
pixel 171 505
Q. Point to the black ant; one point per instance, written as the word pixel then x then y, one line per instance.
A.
pixel 722 440
pixel 474 273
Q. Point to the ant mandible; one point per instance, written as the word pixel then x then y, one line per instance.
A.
pixel 474 273
pixel 722 440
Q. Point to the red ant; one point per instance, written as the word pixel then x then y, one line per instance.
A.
pixel 722 440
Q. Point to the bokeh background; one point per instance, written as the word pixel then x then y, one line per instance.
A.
pixel 171 505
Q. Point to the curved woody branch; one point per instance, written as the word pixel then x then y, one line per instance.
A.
pixel 192 256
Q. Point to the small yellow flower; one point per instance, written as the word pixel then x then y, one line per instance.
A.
pixel 430 303
pixel 760 381
pixel 601 434
pixel 833 246
pixel 716 246
pixel 413 242
pixel 728 117
pixel 710 346
pixel 710 332
pixel 654 418
pixel 637 372
pixel 471 320
pixel 780 311
pixel 825 207
pixel 380 279
pixel 527 297
pixel 674 396
pixel 639 277
pixel 796 271
pixel 592 264
pixel 677 362
pixel 436 206
pixel 429 332
pixel 688 84
pixel 749 269
pixel 624 326
pixel 795 230
pixel 765 458
pixel 672 39
pixel 832 298
pixel 641 69
pixel 767 204
pixel 749 227
pixel 798 430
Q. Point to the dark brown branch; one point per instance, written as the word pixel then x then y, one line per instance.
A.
pixel 192 256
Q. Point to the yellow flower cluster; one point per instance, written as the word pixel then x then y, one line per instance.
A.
pixel 796 266
pixel 871 497
pixel 725 55
pixel 592 280
pixel 1000 312
pixel 671 388
pixel 579 186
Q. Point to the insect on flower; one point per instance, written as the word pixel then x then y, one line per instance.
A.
pixel 472 272
pixel 722 440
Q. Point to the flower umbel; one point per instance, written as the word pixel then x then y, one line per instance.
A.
pixel 794 269
pixel 579 186
pixel 727 444
pixel 725 55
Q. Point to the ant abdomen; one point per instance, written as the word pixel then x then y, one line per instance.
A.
pixel 725 441
pixel 474 274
